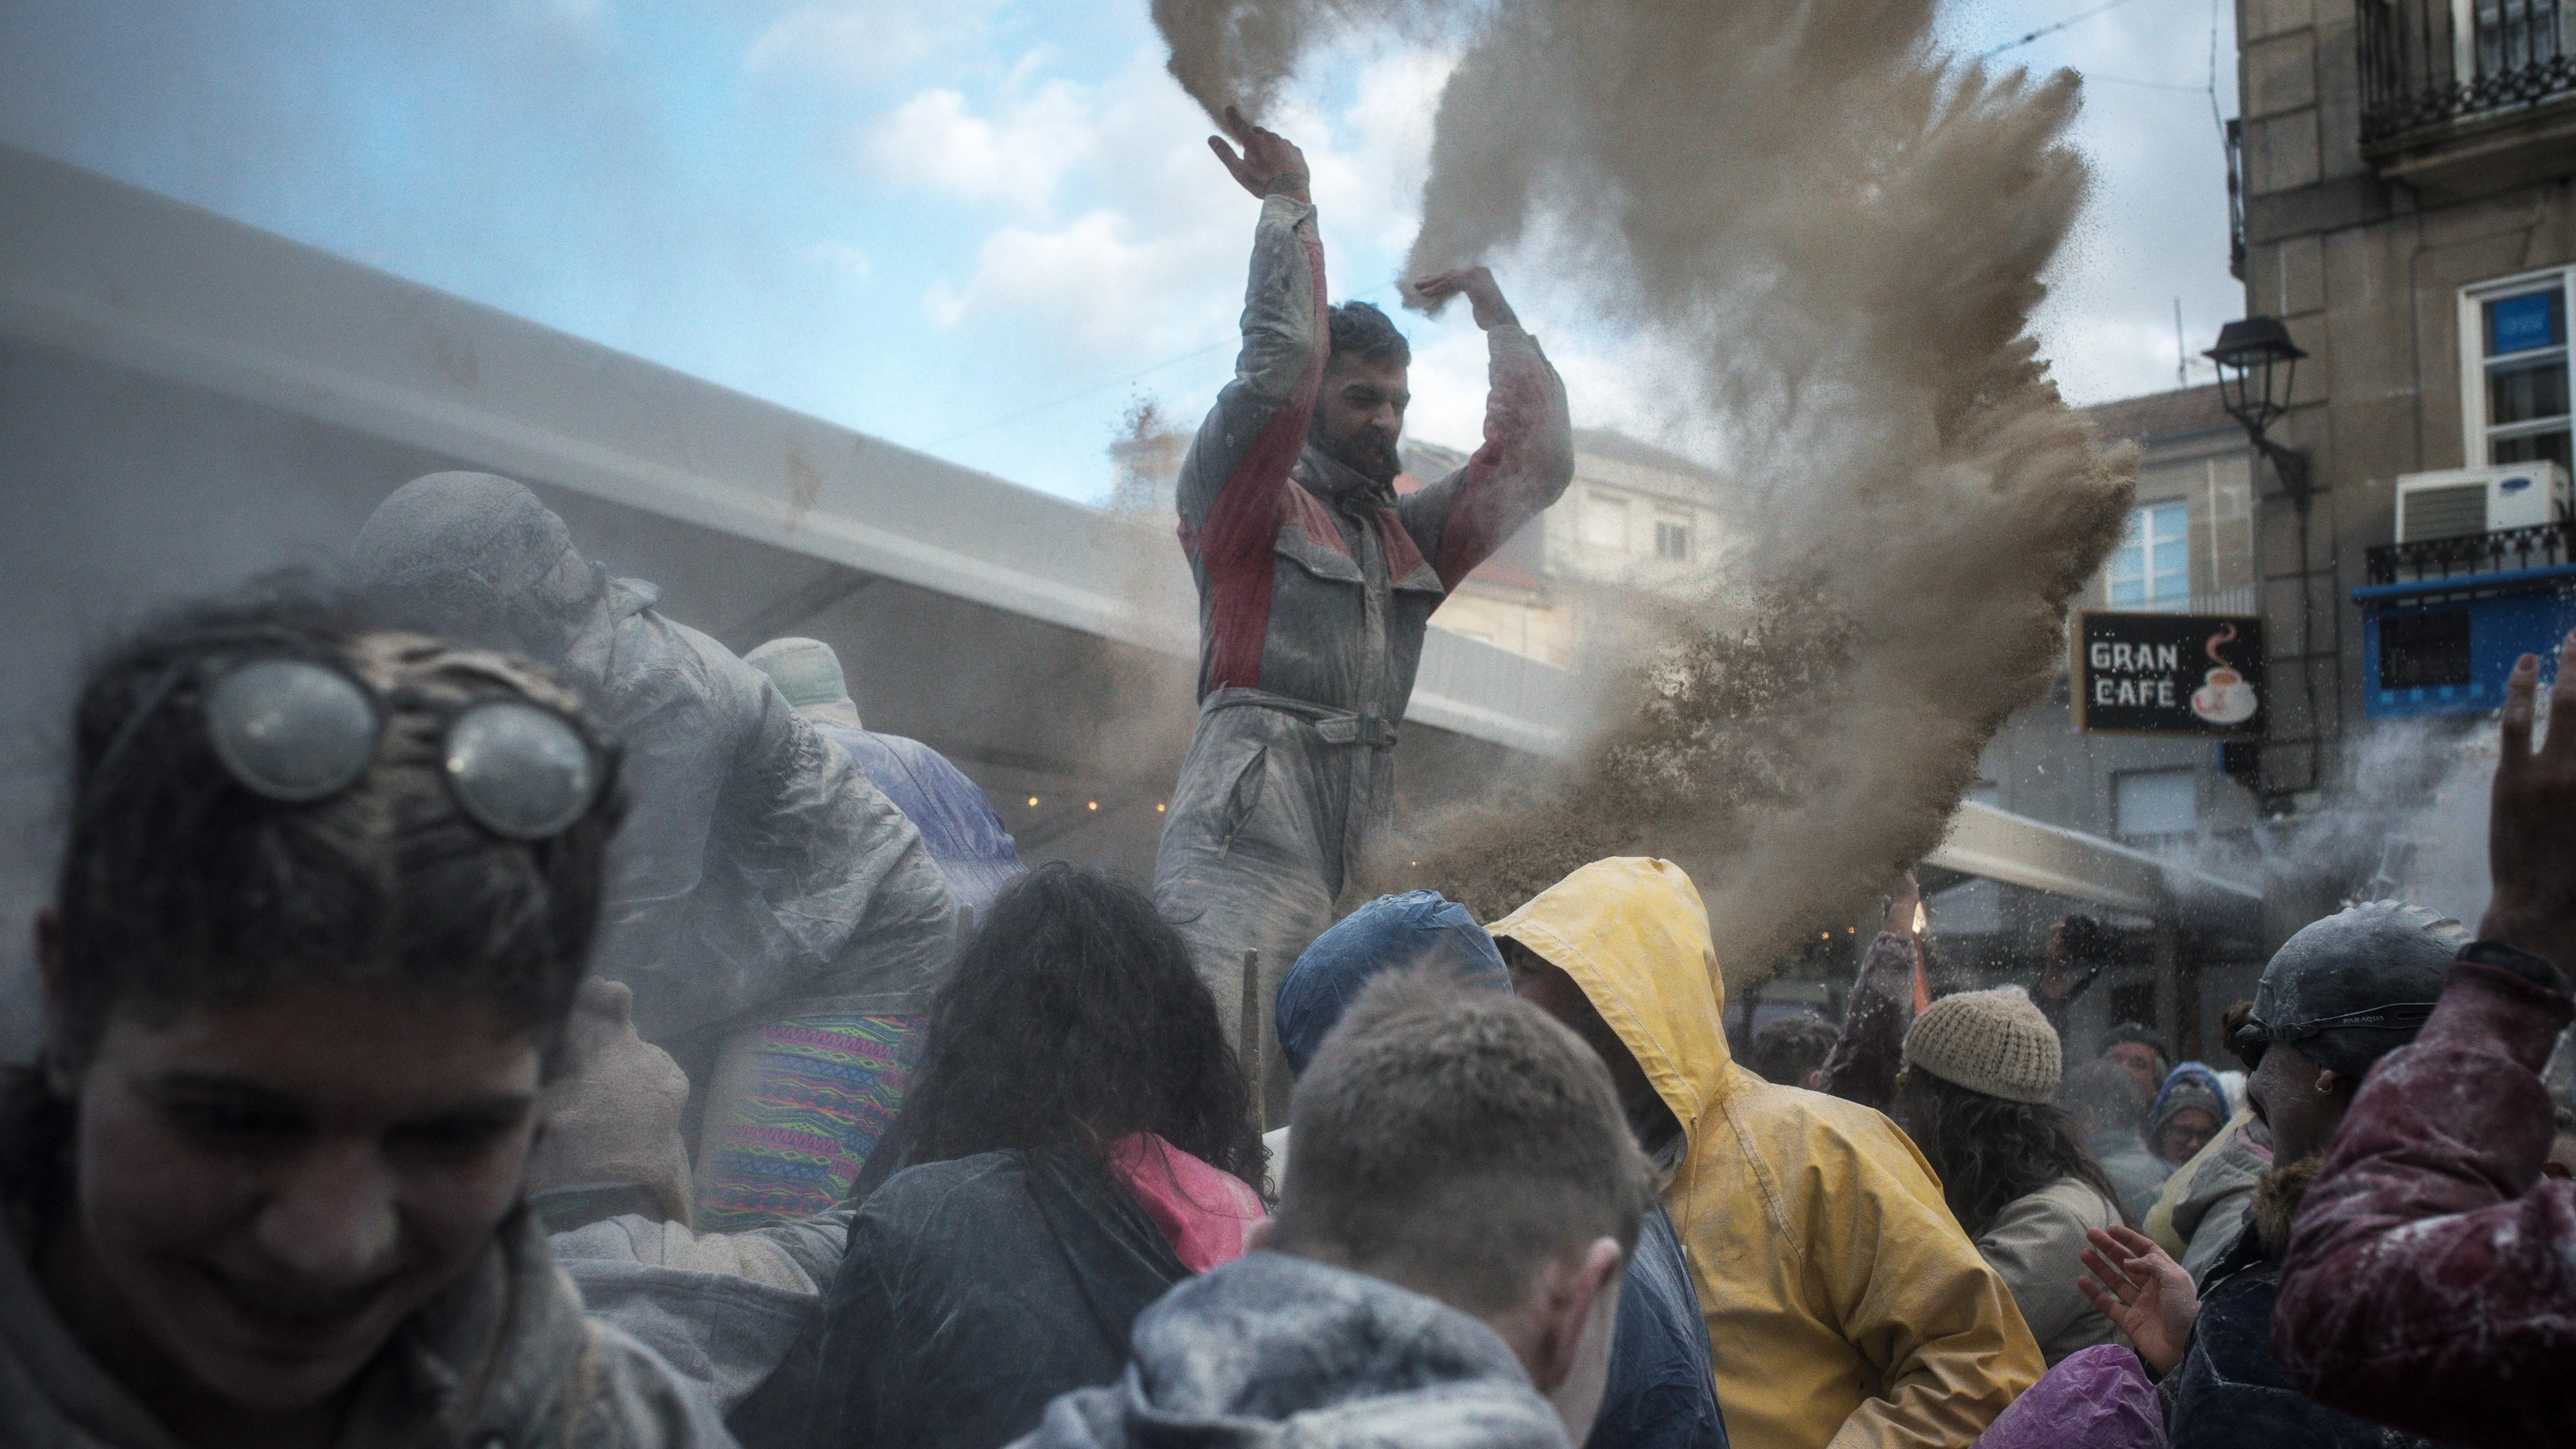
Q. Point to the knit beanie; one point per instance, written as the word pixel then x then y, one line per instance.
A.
pixel 809 674
pixel 1994 1042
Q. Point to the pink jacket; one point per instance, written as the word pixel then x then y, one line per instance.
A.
pixel 2431 1279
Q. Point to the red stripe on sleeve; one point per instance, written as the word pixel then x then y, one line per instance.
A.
pixel 1469 535
pixel 1236 541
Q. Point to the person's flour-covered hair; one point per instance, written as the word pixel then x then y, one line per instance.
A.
pixel 183 886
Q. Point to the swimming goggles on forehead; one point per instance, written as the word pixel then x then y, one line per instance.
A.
pixel 296 730
pixel 2255 1034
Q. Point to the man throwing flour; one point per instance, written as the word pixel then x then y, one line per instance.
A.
pixel 1316 581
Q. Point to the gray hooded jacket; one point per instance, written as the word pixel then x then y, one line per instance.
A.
pixel 1277 1350
pixel 505 1359
pixel 757 870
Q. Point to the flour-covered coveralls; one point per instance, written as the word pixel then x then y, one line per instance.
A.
pixel 1315 585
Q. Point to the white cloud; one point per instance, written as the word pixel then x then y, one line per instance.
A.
pixel 1112 291
pixel 1017 159
pixel 1152 265
pixel 865 39
pixel 1378 180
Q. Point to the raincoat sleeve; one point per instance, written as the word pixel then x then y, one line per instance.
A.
pixel 2430 1283
pixel 1909 1292
pixel 1232 480
pixel 2033 1245
pixel 842 872
pixel 1870 1049
pixel 820 893
pixel 1522 469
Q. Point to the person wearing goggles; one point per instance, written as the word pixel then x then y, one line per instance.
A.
pixel 770 910
pixel 327 896
pixel 2339 995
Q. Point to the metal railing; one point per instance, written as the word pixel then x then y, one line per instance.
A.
pixel 2425 62
pixel 2469 554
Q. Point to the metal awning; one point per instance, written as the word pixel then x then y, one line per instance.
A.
pixel 2000 846
pixel 112 272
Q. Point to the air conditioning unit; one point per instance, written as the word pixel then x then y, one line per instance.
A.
pixel 2480 500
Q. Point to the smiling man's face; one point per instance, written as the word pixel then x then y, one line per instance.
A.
pixel 265 1192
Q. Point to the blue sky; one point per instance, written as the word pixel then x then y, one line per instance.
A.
pixel 975 227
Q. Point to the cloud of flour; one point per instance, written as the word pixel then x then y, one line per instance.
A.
pixel 1826 242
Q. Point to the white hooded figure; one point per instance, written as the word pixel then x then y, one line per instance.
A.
pixel 759 877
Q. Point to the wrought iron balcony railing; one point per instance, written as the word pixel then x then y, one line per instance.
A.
pixel 2470 554
pixel 2425 62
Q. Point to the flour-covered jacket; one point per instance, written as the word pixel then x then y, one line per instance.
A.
pixel 738 1316
pixel 959 826
pixel 1315 587
pixel 505 1359
pixel 1277 1350
pixel 2205 1204
pixel 757 868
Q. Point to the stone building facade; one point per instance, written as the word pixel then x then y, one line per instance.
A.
pixel 2407 212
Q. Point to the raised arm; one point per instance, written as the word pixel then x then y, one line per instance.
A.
pixel 1870 1049
pixel 2431 1277
pixel 1230 482
pixel 1528 453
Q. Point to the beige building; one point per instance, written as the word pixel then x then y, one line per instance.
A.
pixel 2190 547
pixel 1634 518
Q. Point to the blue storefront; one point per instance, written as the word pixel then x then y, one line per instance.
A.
pixel 2443 621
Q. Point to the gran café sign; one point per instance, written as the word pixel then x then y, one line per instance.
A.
pixel 2169 674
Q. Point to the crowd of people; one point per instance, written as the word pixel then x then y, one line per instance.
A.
pixel 480 1010
pixel 326 1060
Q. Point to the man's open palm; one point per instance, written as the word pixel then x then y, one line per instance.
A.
pixel 1270 164
pixel 2143 1290
pixel 2531 830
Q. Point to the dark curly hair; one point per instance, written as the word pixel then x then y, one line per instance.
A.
pixel 1787 1050
pixel 1074 1019
pixel 179 887
pixel 1989 1152
pixel 1361 330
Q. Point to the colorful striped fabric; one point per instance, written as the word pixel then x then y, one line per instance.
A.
pixel 822 1091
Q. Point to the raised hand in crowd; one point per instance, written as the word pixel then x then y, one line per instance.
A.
pixel 2143 1290
pixel 2531 826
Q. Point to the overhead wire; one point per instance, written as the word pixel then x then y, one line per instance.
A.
pixel 2051 29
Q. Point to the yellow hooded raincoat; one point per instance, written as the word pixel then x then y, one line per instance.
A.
pixel 1845 1305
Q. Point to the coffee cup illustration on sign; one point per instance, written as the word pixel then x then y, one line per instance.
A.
pixel 2224 698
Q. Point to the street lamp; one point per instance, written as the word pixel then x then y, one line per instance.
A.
pixel 2257 363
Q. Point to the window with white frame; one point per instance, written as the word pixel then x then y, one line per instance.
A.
pixel 2151 569
pixel 1605 521
pixel 2513 354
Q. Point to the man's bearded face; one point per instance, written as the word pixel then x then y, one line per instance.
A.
pixel 1360 414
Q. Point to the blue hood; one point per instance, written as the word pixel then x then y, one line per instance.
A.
pixel 1418 928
